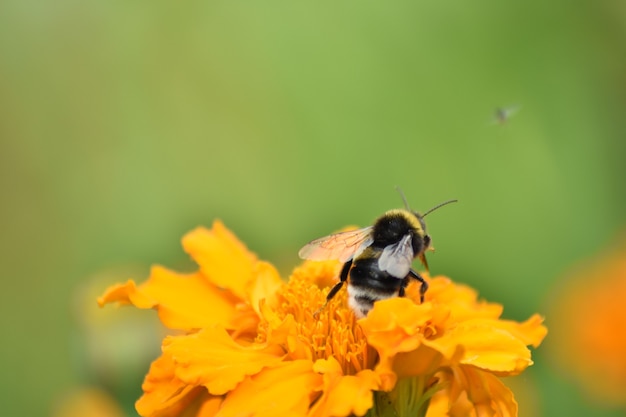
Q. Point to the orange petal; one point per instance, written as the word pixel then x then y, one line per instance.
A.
pixel 210 407
pixel 531 332
pixel 344 395
pixel 486 345
pixel 285 390
pixel 225 261
pixel 487 394
pixel 267 281
pixel 328 366
pixel 441 405
pixel 284 332
pixel 394 325
pixel 88 401
pixel 125 294
pixel 213 359
pixel 321 273
pixel 183 301
pixel 461 300
pixel 391 327
pixel 164 395
pixel 423 361
pixel 353 394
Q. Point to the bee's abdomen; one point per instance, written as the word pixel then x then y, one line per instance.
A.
pixel 369 284
pixel 365 273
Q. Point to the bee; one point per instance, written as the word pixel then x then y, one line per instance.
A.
pixel 377 259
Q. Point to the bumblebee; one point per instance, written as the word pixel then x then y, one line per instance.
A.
pixel 377 258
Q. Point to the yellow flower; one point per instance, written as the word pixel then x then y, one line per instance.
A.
pixel 87 401
pixel 590 344
pixel 256 346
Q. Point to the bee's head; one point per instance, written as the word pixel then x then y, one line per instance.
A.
pixel 424 236
pixel 420 217
pixel 421 230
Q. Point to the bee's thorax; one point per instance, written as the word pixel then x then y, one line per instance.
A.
pixel 392 226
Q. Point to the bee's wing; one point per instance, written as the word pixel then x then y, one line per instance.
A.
pixel 341 246
pixel 397 258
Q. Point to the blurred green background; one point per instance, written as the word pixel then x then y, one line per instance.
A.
pixel 125 124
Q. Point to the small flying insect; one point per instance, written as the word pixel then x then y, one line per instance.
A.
pixel 377 258
pixel 502 115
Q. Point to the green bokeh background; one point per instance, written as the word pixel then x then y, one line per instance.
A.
pixel 125 124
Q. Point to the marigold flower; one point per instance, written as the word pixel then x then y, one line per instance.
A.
pixel 590 343
pixel 253 345
pixel 87 401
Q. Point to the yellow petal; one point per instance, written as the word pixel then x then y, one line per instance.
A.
pixel 461 300
pixel 284 390
pixel 486 346
pixel 183 301
pixel 344 395
pixel 328 366
pixel 267 281
pixel 441 405
pixel 125 294
pixel 394 325
pixel 353 394
pixel 224 260
pixel 163 393
pixel 531 332
pixel 425 360
pixel 487 394
pixel 321 273
pixel 87 401
pixel 210 407
pixel 213 359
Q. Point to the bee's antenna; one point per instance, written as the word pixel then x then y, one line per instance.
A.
pixel 406 203
pixel 439 205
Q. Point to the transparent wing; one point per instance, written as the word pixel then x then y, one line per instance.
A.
pixel 397 258
pixel 503 114
pixel 341 246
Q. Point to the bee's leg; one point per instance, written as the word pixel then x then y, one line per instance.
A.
pixel 334 291
pixel 342 278
pixel 402 291
pixel 424 286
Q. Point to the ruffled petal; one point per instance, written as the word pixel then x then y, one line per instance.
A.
pixel 461 300
pixel 213 359
pixel 183 301
pixel 210 407
pixel 472 392
pixel 425 360
pixel 487 394
pixel 125 294
pixel 486 346
pixel 222 257
pixel 164 395
pixel 284 390
pixel 267 281
pixel 531 332
pixel 344 395
pixel 395 325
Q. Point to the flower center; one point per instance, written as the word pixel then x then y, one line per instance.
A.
pixel 319 329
